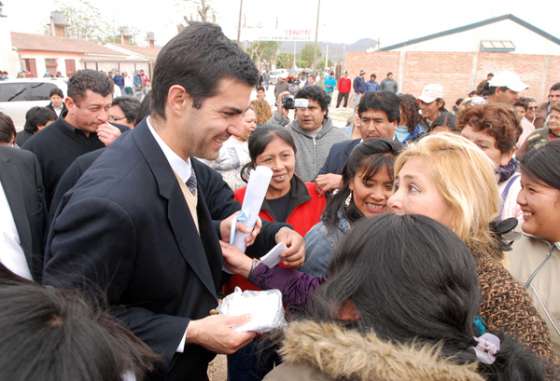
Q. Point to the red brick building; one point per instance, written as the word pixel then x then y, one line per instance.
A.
pixel 460 58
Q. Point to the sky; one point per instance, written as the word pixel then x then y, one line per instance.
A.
pixel 340 20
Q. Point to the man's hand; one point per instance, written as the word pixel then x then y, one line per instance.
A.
pixel 107 133
pixel 294 256
pixel 216 333
pixel 328 182
pixel 236 261
pixel 225 229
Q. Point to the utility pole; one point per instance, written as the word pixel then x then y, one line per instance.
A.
pixel 316 33
pixel 239 21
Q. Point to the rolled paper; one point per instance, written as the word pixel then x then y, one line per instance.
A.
pixel 259 180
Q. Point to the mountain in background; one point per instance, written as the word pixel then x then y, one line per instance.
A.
pixel 336 50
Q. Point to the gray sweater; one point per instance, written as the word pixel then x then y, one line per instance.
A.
pixel 312 151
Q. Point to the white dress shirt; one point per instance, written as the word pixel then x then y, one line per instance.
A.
pixel 11 252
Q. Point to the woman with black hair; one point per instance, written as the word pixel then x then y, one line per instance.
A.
pixel 535 259
pixel 413 320
pixel 367 184
pixel 36 118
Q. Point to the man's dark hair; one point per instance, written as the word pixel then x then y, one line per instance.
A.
pixel 56 91
pixel 389 73
pixel 385 101
pixel 54 334
pixel 260 88
pixel 198 58
pixel 555 87
pixel 317 94
pixel 130 107
pixel 372 76
pixel 38 116
pixel 522 102
pixel 7 128
pixel 92 80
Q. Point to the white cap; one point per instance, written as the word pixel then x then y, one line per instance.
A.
pixel 507 79
pixel 431 92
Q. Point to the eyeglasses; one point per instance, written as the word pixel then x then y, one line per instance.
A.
pixel 532 107
pixel 113 118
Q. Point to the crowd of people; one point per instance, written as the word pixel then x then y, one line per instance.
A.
pixel 421 243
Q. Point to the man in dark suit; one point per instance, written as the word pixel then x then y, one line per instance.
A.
pixel 379 116
pixel 22 213
pixel 135 225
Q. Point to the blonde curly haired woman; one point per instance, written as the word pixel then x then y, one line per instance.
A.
pixel 448 178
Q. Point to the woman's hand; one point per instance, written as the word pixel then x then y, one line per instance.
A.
pixel 294 256
pixel 236 261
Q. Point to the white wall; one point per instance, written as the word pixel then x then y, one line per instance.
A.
pixel 8 58
pixel 525 40
pixel 40 61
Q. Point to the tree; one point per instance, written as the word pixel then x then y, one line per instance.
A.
pixel 85 21
pixel 263 51
pixel 284 60
pixel 307 54
pixel 198 10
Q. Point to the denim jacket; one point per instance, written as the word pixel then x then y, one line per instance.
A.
pixel 320 242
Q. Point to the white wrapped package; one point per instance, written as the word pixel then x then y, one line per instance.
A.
pixel 264 307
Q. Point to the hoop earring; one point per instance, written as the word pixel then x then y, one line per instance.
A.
pixel 348 200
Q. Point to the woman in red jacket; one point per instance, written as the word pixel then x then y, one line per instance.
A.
pixel 288 199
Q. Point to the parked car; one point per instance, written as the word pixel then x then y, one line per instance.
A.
pixel 19 95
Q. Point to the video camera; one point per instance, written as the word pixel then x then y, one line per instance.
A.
pixel 290 103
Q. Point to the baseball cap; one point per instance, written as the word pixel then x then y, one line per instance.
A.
pixel 362 72
pixel 507 79
pixel 431 92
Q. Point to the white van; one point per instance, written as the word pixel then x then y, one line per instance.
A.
pixel 17 96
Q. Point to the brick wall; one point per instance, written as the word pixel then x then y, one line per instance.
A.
pixel 457 72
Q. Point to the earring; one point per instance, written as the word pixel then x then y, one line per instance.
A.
pixel 348 200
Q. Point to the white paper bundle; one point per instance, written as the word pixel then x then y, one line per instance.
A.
pixel 264 307
pixel 252 203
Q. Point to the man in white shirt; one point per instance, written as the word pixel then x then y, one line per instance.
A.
pixel 22 213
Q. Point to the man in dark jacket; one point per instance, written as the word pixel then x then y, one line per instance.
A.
pixel 379 115
pixel 22 213
pixel 135 225
pixel 83 129
pixel 359 85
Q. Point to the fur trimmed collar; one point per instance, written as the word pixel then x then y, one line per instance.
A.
pixel 340 353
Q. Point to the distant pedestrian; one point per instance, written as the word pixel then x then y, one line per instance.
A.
pixel 372 85
pixel 359 85
pixel 344 86
pixel 389 84
pixel 329 83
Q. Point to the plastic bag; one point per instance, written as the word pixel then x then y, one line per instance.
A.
pixel 265 308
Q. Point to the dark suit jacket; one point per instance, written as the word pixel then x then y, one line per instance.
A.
pixel 20 175
pixel 338 155
pixel 217 194
pixel 125 229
